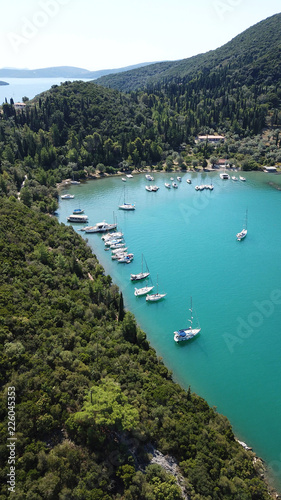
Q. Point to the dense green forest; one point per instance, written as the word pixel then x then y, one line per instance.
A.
pixel 92 400
pixel 251 58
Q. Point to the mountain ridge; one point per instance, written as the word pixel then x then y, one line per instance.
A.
pixel 64 72
pixel 249 47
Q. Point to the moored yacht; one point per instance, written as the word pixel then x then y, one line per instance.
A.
pixel 142 291
pixel 154 297
pixel 224 175
pixel 189 332
pixel 67 196
pixel 101 227
pixel 77 218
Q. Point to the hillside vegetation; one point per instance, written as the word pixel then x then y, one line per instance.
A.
pixel 253 57
pixel 92 398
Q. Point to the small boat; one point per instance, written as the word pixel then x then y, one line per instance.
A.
pixel 154 297
pixel 171 178
pixel 67 196
pixel 234 178
pixel 242 178
pixel 116 251
pixel 125 259
pixel 123 179
pixel 77 218
pixel 77 211
pixel 126 206
pixel 112 241
pixel 149 177
pixel 189 332
pixel 149 188
pixel 240 236
pixel 121 253
pixel 110 236
pixel 188 181
pixel 224 175
pixel 179 179
pixel 142 275
pixel 175 185
pixel 155 188
pixel 75 182
pixel 101 227
pixel 167 185
pixel 115 246
pixel 143 291
pixel 129 176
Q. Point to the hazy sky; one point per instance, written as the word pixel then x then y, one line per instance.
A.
pixel 111 34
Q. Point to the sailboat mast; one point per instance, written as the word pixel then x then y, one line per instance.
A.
pixel 191 318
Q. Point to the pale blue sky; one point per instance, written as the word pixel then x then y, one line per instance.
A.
pixel 112 34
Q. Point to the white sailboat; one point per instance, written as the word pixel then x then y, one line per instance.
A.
pixel 143 291
pixel 142 275
pixel 154 297
pixel 189 332
pixel 126 206
pixel 240 236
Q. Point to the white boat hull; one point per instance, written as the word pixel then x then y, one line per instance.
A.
pixel 143 291
pixel 155 297
pixel 186 334
pixel 140 276
pixel 127 206
pixel 240 236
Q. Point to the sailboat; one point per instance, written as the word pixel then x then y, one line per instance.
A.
pixel 154 297
pixel 142 275
pixel 240 236
pixel 187 333
pixel 144 290
pixel 126 206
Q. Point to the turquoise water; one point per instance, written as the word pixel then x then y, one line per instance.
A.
pixel 188 240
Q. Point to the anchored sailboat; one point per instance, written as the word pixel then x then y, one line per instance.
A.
pixel 142 275
pixel 154 297
pixel 240 236
pixel 126 206
pixel 187 333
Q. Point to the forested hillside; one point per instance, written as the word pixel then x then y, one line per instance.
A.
pixel 76 129
pixel 92 400
pixel 253 57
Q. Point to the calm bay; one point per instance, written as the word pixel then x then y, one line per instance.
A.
pixel 28 87
pixel 188 239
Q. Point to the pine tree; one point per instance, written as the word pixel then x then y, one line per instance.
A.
pixel 121 308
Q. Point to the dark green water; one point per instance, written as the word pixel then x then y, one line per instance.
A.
pixel 188 239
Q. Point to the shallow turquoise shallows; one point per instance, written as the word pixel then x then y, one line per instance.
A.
pixel 188 240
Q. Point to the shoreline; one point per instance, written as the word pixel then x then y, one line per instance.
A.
pixel 258 462
pixel 199 170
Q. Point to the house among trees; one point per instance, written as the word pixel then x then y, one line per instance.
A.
pixel 213 139
pixel 19 105
pixel 221 163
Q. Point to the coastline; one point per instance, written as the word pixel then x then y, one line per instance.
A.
pixel 97 176
pixel 258 462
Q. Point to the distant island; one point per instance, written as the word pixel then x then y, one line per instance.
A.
pixel 64 72
pixel 3 83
